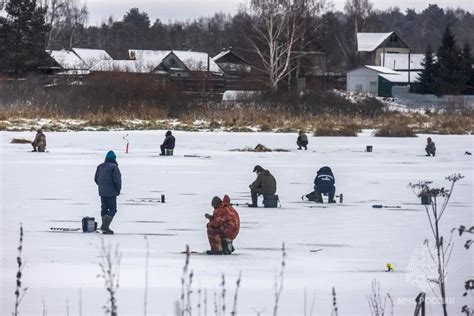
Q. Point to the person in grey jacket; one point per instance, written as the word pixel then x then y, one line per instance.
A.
pixel 109 180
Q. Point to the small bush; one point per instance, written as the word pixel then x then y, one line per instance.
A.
pixel 395 130
pixel 265 128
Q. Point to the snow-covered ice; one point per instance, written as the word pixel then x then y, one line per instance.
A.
pixel 57 189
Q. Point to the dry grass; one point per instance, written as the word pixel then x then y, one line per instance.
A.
pixel 236 118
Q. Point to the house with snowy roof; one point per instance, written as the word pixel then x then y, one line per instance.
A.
pixel 231 63
pixel 378 45
pixel 77 61
pixel 378 80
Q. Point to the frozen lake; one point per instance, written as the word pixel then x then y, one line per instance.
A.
pixel 354 240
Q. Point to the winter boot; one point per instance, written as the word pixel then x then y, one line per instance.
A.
pixel 227 246
pixel 106 220
pixel 213 252
pixel 331 197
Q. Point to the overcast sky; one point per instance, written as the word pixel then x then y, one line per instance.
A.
pixel 173 10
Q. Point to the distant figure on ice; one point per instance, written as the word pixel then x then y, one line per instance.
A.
pixel 430 147
pixel 265 185
pixel 223 226
pixel 323 184
pixel 39 144
pixel 109 180
pixel 302 140
pixel 168 144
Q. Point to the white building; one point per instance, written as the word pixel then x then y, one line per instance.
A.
pixel 365 79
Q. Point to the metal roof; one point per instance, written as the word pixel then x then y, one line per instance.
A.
pixel 381 69
pixel 401 76
pixel 91 56
pixel 367 42
pixel 67 59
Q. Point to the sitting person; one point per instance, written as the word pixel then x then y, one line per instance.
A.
pixel 302 140
pixel 323 184
pixel 223 227
pixel 265 184
pixel 168 143
pixel 39 144
pixel 430 147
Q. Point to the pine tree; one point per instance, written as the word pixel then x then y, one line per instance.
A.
pixel 427 78
pixel 467 64
pixel 23 36
pixel 451 79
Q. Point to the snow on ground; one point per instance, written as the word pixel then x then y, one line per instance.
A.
pixel 57 189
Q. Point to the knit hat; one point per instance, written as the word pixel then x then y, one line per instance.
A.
pixel 216 201
pixel 257 169
pixel 110 156
pixel 168 133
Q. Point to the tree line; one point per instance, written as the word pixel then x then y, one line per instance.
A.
pixel 269 34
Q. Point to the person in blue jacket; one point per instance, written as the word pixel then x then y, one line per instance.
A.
pixel 324 183
pixel 109 180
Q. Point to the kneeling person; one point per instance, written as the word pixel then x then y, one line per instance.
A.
pixel 223 227
pixel 323 184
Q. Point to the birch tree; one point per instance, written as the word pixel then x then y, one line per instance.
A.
pixel 279 28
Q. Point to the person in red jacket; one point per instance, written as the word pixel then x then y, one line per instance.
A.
pixel 223 226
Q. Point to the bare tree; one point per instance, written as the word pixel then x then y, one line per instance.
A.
pixel 430 198
pixel 64 16
pixel 279 29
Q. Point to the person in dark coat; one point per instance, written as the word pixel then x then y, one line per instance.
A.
pixel 323 184
pixel 265 184
pixel 39 144
pixel 223 226
pixel 109 180
pixel 430 147
pixel 302 140
pixel 168 143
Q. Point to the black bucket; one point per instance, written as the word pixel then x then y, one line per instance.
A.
pixel 270 201
pixel 425 199
pixel 369 148
pixel 162 198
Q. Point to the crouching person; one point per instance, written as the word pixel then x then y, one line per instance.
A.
pixel 223 227
pixel 265 185
pixel 302 140
pixel 430 147
pixel 39 144
pixel 109 180
pixel 323 184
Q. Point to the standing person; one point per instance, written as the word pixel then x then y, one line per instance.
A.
pixel 168 143
pixel 265 184
pixel 223 226
pixel 323 184
pixel 109 180
pixel 302 140
pixel 39 144
pixel 430 147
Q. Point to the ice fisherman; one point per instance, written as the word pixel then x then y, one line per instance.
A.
pixel 323 184
pixel 109 180
pixel 168 143
pixel 302 140
pixel 430 147
pixel 223 226
pixel 265 184
pixel 39 144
